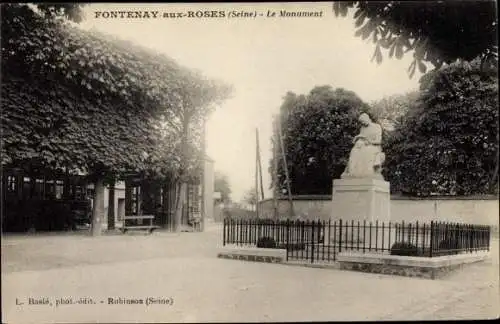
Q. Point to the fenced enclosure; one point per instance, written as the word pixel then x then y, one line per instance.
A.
pixel 321 241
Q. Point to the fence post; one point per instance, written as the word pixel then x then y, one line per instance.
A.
pixel 370 232
pixel 340 235
pixel 312 241
pixel 301 230
pixel 364 235
pixel 357 243
pixel 489 237
pixel 323 233
pixel 224 232
pixel 329 238
pixel 252 232
pixel 469 238
pixel 432 239
pixel 247 231
pixel 239 235
pixel 389 245
pixel 274 236
pixel 287 237
pixel 403 239
pixel 352 234
pixel 383 234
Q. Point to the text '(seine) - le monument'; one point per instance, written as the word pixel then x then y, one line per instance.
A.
pixel 362 193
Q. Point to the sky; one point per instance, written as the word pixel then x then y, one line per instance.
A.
pixel 263 58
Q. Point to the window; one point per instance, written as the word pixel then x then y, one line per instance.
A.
pixel 59 189
pixel 79 193
pixel 50 189
pixel 194 198
pixel 11 184
pixel 135 196
pixel 26 186
pixel 39 187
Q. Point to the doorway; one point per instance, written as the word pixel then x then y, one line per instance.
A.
pixel 121 209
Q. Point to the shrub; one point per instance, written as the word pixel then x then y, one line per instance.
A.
pixel 448 246
pixel 447 143
pixel 404 249
pixel 292 246
pixel 266 242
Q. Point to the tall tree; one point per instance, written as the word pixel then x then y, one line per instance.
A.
pixel 187 121
pixel 250 197
pixel 221 184
pixel 85 101
pixel 437 32
pixel 448 142
pixel 317 131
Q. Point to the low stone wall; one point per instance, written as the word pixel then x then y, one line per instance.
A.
pixel 253 254
pixel 429 268
pixel 422 267
pixel 472 210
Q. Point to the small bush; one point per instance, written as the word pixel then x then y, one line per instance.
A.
pixel 448 246
pixel 266 242
pixel 404 249
pixel 292 246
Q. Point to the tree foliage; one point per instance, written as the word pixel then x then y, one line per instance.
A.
pixel 47 122
pixel 221 184
pixel 317 130
pixel 390 109
pixel 437 32
pixel 250 197
pixel 88 101
pixel 106 67
pixel 448 143
pixel 69 11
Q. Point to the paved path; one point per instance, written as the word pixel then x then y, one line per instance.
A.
pixel 204 289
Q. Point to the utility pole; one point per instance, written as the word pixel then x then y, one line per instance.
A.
pixel 202 177
pixel 289 190
pixel 275 171
pixel 257 172
pixel 260 167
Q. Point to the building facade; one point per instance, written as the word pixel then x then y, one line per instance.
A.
pixel 43 201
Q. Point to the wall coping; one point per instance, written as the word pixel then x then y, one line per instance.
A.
pixel 474 197
pixel 406 261
pixel 276 253
pixel 299 197
pixel 393 197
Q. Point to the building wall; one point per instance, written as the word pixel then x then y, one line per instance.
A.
pixel 218 215
pixel 119 194
pixel 209 179
pixel 484 210
pixel 475 211
pixel 307 207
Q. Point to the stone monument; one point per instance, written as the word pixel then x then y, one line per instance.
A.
pixel 362 193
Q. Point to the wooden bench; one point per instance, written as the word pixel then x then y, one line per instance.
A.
pixel 150 227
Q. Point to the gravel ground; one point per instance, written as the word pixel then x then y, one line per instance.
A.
pixel 183 267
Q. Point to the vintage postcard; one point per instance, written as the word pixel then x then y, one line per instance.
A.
pixel 249 162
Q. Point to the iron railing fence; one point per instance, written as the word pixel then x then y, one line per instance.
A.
pixel 318 240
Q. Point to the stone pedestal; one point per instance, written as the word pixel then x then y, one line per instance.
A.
pixel 361 199
pixel 359 202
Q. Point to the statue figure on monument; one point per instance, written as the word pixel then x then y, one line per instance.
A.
pixel 366 157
